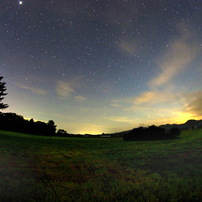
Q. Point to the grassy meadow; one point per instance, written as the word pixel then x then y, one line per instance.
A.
pixel 37 168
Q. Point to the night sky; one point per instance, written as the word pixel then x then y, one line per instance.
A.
pixel 98 66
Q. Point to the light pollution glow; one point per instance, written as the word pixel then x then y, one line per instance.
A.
pixel 95 70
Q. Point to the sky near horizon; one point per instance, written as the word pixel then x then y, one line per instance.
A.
pixel 97 66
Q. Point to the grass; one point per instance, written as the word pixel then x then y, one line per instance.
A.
pixel 37 168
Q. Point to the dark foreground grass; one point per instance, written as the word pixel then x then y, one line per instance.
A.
pixel 34 168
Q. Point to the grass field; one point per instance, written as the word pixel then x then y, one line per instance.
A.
pixel 36 168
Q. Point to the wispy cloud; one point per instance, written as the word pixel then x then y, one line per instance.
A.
pixel 147 99
pixel 122 119
pixel 64 89
pixel 181 52
pixel 194 104
pixel 34 90
pixel 130 46
pixel 80 98
pixel 161 102
pixel 155 97
pixel 63 116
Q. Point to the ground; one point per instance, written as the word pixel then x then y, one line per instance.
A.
pixel 41 168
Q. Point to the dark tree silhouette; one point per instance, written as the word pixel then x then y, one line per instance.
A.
pixel 151 133
pixel 174 132
pixel 17 123
pixel 2 93
pixel 51 127
pixel 62 133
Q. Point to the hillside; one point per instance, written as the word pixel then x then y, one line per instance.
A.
pixel 190 124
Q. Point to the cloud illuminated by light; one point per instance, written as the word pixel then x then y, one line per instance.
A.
pixel 34 90
pixel 181 52
pixel 194 104
pixel 162 103
pixel 64 89
pixel 151 97
pixel 122 119
pixel 80 98
pixel 131 46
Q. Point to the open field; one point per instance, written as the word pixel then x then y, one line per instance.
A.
pixel 36 168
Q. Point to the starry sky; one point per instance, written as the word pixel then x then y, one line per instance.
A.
pixel 97 66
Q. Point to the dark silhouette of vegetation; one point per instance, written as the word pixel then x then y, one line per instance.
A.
pixel 151 133
pixel 16 123
pixel 62 133
pixel 174 132
pixel 2 94
pixel 189 125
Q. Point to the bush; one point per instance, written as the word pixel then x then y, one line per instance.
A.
pixel 174 132
pixel 151 133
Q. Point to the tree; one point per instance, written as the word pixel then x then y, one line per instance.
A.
pixel 2 94
pixel 174 132
pixel 51 127
pixel 62 132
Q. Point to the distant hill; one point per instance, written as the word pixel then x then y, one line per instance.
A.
pixel 190 124
pixel 119 134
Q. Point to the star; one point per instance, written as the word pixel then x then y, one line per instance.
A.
pixel 135 58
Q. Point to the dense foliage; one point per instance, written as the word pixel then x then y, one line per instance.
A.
pixel 151 133
pixel 16 123
pixel 2 94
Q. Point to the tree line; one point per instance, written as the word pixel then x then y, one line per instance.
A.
pixel 151 133
pixel 2 93
pixel 17 123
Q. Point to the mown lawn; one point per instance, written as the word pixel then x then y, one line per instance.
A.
pixel 36 168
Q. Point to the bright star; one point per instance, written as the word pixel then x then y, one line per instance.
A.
pixel 20 2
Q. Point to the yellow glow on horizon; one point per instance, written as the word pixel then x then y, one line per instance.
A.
pixel 35 120
pixel 185 116
pixel 90 132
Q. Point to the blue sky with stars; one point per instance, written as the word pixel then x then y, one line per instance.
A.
pixel 97 66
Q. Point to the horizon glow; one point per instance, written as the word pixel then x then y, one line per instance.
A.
pixel 102 67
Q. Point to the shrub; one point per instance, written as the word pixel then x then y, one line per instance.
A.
pixel 151 133
pixel 174 132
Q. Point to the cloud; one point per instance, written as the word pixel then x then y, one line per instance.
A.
pixel 181 52
pixel 63 116
pixel 154 97
pixel 64 89
pixel 147 98
pixel 122 119
pixel 130 46
pixel 162 102
pixel 80 98
pixel 194 104
pixel 151 107
pixel 115 103
pixel 34 90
